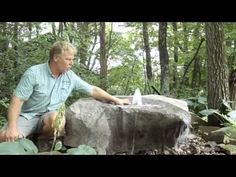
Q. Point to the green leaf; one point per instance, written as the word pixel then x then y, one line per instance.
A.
pixel 230 131
pixel 232 114
pixel 19 147
pixel 202 100
pixel 81 150
pixel 58 146
pixel 192 98
pixel 207 112
pixel 225 107
pixel 28 145
pixel 189 102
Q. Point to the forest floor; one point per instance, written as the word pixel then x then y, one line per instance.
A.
pixel 193 145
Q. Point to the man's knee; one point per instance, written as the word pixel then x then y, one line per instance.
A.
pixel 50 123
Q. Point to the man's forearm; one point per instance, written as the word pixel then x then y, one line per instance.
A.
pixel 14 111
pixel 102 95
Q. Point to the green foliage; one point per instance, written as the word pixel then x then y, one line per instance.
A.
pixel 225 115
pixel 123 80
pixel 18 147
pixel 15 62
pixel 3 121
pixel 225 108
pixel 207 112
pixel 82 150
pixel 126 58
pixel 58 146
pixel 196 104
pixel 4 103
pixel 57 124
pixel 232 114
pixel 60 117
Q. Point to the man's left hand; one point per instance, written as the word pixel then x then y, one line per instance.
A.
pixel 122 101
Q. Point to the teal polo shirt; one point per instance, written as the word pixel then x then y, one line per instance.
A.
pixel 41 92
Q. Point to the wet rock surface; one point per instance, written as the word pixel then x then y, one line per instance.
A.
pixel 127 128
pixel 193 145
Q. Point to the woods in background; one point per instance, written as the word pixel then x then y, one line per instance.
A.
pixel 179 59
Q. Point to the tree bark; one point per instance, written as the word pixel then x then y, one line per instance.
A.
pixel 232 89
pixel 93 46
pixel 53 28
pixel 60 30
pixel 30 29
pixel 37 26
pixel 103 59
pixel 4 41
pixel 218 87
pixel 164 58
pixel 15 42
pixel 147 51
pixel 175 74
pixel 185 82
pixel 84 42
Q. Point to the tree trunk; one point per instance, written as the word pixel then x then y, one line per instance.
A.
pixel 93 46
pixel 197 66
pixel 164 58
pixel 30 29
pixel 218 87
pixel 147 51
pixel 103 59
pixel 15 43
pixel 232 89
pixel 69 26
pixel 37 26
pixel 175 73
pixel 185 82
pixel 53 28
pixel 196 73
pixel 84 42
pixel 4 41
pixel 60 30
pixel 109 41
pixel 232 57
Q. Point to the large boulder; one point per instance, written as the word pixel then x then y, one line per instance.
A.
pixel 109 128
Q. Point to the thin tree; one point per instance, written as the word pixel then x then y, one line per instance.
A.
pixel 164 58
pixel 53 28
pixel 30 29
pixel 148 53
pixel 103 59
pixel 175 74
pixel 196 76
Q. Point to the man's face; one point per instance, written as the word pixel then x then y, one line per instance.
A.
pixel 65 60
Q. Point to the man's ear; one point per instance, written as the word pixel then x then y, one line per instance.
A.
pixel 56 58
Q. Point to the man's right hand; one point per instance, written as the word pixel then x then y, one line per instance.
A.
pixel 11 134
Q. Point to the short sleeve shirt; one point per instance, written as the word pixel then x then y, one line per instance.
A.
pixel 41 92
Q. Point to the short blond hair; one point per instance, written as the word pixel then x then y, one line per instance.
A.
pixel 59 47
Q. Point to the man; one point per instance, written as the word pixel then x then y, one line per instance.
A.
pixel 41 91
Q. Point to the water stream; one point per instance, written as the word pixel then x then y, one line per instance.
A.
pixel 137 100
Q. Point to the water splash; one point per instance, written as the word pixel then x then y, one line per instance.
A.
pixel 183 137
pixel 137 98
